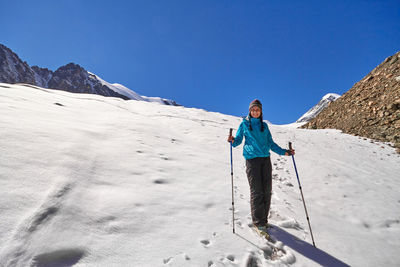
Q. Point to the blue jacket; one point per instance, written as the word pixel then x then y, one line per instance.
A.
pixel 257 143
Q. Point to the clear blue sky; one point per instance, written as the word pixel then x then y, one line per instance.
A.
pixel 215 55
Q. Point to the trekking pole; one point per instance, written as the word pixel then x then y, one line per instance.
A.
pixel 301 191
pixel 233 202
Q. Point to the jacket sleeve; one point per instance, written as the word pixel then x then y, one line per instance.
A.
pixel 274 147
pixel 239 136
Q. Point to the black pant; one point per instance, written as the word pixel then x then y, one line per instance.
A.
pixel 259 174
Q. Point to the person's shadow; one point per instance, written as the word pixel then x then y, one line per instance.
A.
pixel 304 248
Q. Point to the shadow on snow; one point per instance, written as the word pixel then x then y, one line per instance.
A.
pixel 304 248
pixel 307 250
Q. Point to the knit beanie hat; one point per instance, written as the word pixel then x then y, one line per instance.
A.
pixel 255 103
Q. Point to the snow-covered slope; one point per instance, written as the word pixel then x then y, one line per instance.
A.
pixel 123 90
pixel 315 110
pixel 87 180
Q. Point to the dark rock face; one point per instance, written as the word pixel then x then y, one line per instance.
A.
pixel 13 70
pixel 74 78
pixel 44 73
pixel 371 108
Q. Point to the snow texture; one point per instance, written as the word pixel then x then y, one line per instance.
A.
pixel 87 180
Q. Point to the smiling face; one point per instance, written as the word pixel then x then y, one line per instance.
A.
pixel 255 112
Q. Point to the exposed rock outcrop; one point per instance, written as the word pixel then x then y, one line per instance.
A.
pixel 371 108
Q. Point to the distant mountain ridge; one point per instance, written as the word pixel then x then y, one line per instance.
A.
pixel 315 110
pixel 371 108
pixel 71 77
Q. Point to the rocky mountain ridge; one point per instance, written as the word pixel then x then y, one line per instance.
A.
pixel 71 77
pixel 14 70
pixel 371 108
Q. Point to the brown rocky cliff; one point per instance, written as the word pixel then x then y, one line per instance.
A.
pixel 371 108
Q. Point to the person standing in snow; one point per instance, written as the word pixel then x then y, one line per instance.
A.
pixel 256 151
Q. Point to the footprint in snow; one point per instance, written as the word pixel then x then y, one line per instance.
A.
pixel 289 205
pixel 287 183
pixel 275 216
pixel 252 261
pixel 228 260
pixel 167 260
pixel 178 259
pixel 239 223
pixel 290 223
pixel 206 243
pixel 273 252
pixel 231 258
pixel 236 210
pixel 389 223
pixel 160 181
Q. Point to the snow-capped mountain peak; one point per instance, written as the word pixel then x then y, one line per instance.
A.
pixel 315 110
pixel 123 90
pixel 118 88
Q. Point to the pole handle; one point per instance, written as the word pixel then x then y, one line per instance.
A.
pixel 230 131
pixel 290 145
